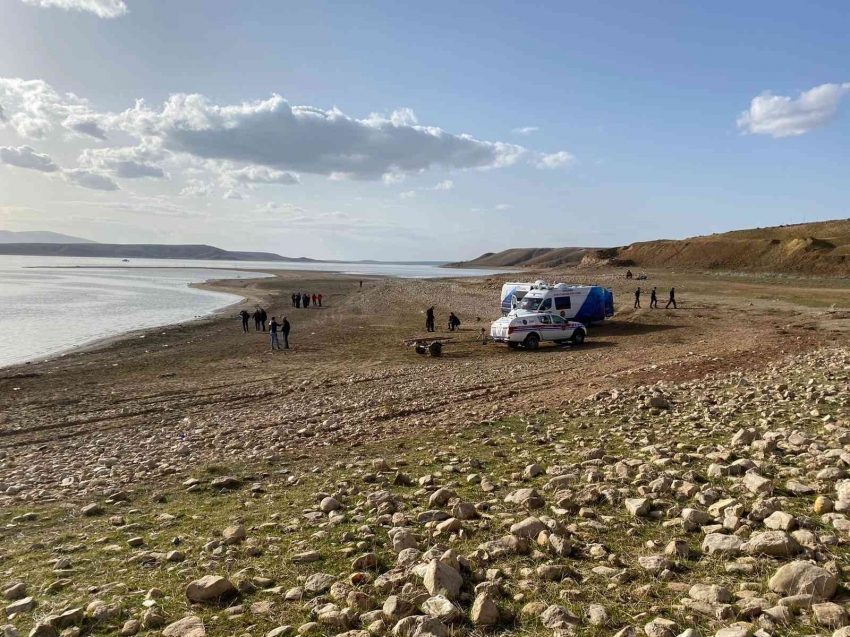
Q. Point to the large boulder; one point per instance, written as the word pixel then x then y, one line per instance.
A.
pixel 442 579
pixel 210 588
pixel 803 578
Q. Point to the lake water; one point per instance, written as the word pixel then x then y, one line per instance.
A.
pixel 50 305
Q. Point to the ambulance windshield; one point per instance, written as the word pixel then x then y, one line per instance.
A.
pixel 534 304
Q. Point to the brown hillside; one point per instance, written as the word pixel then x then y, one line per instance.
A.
pixel 821 248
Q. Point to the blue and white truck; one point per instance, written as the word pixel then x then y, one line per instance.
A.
pixel 585 304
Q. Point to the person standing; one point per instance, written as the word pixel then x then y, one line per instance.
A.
pixel 314 300
pixel 320 300
pixel 637 298
pixel 284 329
pixel 273 333
pixel 305 298
pixel 298 300
pixel 429 319
pixel 361 285
pixel 672 299
pixel 256 316
pixel 244 316
pixel 263 318
pixel 653 299
pixel 293 299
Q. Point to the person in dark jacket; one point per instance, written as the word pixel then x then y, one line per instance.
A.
pixel 263 318
pixel 284 329
pixel 244 316
pixel 298 300
pixel 305 300
pixel 256 317
pixel 429 319
pixel 653 299
pixel 293 299
pixel 672 299
pixel 454 322
pixel 273 333
pixel 637 298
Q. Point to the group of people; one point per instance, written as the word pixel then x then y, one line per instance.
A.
pixel 260 317
pixel 454 321
pixel 653 299
pixel 300 300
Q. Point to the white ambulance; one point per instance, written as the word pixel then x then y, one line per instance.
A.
pixel 529 329
pixel 584 303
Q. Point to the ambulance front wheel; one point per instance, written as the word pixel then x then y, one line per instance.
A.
pixel 532 341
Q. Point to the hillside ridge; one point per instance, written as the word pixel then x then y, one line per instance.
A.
pixel 138 251
pixel 808 248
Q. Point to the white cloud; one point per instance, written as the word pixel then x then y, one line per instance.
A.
pixel 783 116
pixel 33 109
pixel 410 194
pixel 126 163
pixel 195 188
pixel 502 206
pixel 101 8
pixel 306 139
pixel 26 157
pixel 448 184
pixel 554 160
pixel 273 206
pixel 3 118
pixel 257 175
pixel 232 194
pixel 89 179
pixel 525 130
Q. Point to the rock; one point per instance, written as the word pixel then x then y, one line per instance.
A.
pixel 660 627
pixel 638 507
pixel 15 591
pixel 307 557
pixel 367 561
pixel 225 482
pixel 757 484
pixel 43 630
pixel 801 578
pixel 597 615
pixel 441 608
pixel 464 511
pixel 724 545
pixel 560 545
pixel 692 519
pixel 558 617
pixel 319 583
pixel 396 608
pixel 71 617
pixel 780 521
pixel 710 593
pixel 441 579
pixel 329 504
pixel 774 543
pixel 234 534
pixel 822 505
pixel 190 626
pixel 404 539
pixel 22 605
pixel 532 471
pixel 529 528
pixel 738 629
pixel 130 628
pixel 529 498
pixel 210 588
pixel 92 510
pixel 830 614
pixel 659 402
pixel 440 497
pixel 484 611
pixel 281 631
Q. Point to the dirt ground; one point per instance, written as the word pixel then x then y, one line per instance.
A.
pixel 348 364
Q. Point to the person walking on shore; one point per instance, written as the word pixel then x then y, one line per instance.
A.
pixel 653 299
pixel 284 329
pixel 429 319
pixel 244 316
pixel 263 318
pixel 672 299
pixel 256 316
pixel 637 298
pixel 273 333
pixel 320 300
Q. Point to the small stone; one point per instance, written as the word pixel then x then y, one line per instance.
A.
pixel 484 611
pixel 209 588
pixel 441 579
pixel 190 626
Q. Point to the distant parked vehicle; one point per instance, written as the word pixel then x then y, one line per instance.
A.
pixel 529 329
pixel 584 303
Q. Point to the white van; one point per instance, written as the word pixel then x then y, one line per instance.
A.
pixel 586 304
pixel 529 329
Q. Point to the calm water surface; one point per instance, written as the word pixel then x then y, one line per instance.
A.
pixel 50 305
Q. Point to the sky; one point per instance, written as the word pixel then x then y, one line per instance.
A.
pixel 419 131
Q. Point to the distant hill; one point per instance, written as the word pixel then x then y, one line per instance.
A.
pixel 7 236
pixel 138 251
pixel 529 257
pixel 807 248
